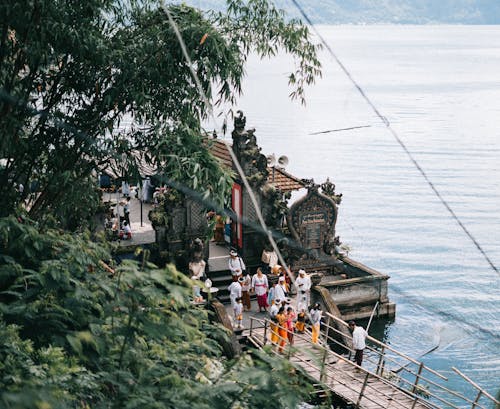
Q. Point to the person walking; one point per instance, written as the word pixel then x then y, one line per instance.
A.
pixel 238 313
pixel 290 320
pixel 236 264
pixel 275 306
pixel 358 341
pixel 234 292
pixel 303 287
pixel 271 293
pixel 315 318
pixel 246 285
pixel 282 334
pixel 126 210
pixel 280 289
pixel 260 286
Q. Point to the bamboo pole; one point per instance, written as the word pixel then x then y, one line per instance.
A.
pixel 476 385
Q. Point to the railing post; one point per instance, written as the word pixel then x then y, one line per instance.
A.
pixel 477 399
pixel 380 365
pixel 362 389
pixel 327 328
pixel 323 365
pixel 421 366
pixel 265 332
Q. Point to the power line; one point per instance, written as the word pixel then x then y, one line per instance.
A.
pixel 398 139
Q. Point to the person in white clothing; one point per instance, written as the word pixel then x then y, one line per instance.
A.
pixel 358 341
pixel 260 286
pixel 303 286
pixel 238 313
pixel 234 292
pixel 269 259
pixel 280 289
pixel 236 264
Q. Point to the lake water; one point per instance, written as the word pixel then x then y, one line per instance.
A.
pixel 439 86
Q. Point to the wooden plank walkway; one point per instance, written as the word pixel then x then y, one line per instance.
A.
pixel 356 385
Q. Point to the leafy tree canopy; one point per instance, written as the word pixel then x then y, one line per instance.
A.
pixel 74 335
pixel 85 84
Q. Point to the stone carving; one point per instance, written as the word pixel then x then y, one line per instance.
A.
pixel 239 121
pixel 311 221
pixel 245 147
pixel 328 189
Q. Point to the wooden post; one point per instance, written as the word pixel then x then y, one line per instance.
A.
pixel 251 326
pixel 380 365
pixel 421 366
pixel 323 365
pixel 327 327
pixel 362 389
pixel 477 399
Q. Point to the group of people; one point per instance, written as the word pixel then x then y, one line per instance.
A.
pixel 118 222
pixel 285 318
pixel 285 321
pixel 242 284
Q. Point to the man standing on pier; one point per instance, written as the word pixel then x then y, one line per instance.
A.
pixel 358 341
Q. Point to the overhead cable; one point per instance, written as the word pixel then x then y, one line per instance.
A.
pixel 398 139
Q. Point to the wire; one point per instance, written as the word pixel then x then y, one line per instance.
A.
pixel 398 139
pixel 228 147
pixel 341 129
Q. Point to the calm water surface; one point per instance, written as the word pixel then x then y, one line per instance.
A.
pixel 439 86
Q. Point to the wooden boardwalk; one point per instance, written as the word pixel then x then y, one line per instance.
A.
pixel 358 386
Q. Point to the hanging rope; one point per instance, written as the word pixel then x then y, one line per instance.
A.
pixel 398 139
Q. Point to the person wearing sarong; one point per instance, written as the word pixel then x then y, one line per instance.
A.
pixel 282 318
pixel 260 286
pixel 315 317
pixel 290 318
pixel 301 321
pixel 275 306
pixel 246 284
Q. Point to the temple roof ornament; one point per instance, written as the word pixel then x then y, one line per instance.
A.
pixel 239 121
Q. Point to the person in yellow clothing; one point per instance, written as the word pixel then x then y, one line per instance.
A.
pixel 282 333
pixel 275 304
pixel 301 321
pixel 315 318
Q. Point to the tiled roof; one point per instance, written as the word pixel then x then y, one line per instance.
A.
pixel 219 150
pixel 282 180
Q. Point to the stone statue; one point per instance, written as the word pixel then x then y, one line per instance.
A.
pixel 239 121
pixel 196 263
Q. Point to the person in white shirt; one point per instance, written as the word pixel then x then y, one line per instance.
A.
pixel 303 286
pixel 236 264
pixel 238 313
pixel 358 341
pixel 315 318
pixel 280 289
pixel 234 292
pixel 269 259
pixel 275 306
pixel 260 286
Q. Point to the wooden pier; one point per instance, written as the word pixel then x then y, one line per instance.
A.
pixel 372 386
